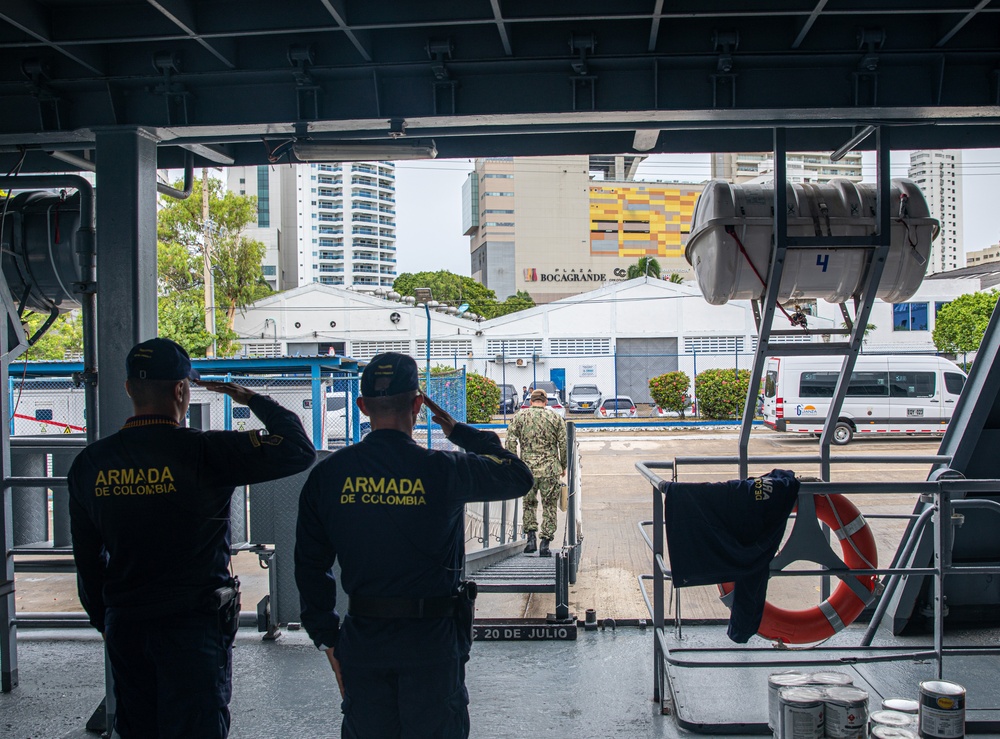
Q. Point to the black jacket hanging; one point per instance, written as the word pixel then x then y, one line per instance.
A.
pixel 729 532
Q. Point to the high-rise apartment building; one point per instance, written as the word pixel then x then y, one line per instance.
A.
pixel 807 166
pixel 329 223
pixel 559 226
pixel 937 174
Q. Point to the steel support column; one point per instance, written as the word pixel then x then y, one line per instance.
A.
pixel 126 261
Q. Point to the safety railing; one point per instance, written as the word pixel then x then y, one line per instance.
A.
pixel 943 498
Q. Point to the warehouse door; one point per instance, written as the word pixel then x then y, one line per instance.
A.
pixel 640 359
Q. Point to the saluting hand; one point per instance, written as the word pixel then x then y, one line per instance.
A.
pixel 237 392
pixel 440 416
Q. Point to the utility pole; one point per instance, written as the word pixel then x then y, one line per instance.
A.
pixel 207 252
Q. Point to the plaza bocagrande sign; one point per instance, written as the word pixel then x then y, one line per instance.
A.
pixel 531 274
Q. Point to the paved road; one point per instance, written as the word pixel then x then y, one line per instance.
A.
pixel 616 498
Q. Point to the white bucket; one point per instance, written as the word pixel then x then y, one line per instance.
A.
pixel 837 208
pixel 801 713
pixel 776 682
pixel 846 713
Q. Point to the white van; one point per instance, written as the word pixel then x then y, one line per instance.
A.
pixel 888 394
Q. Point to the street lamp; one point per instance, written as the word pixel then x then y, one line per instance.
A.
pixel 425 296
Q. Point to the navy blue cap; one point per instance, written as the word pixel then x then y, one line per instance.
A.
pixel 389 374
pixel 159 359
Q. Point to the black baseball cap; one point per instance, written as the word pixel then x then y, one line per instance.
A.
pixel 159 359
pixel 389 374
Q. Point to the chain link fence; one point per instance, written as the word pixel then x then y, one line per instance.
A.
pixel 326 406
pixel 46 406
pixel 574 377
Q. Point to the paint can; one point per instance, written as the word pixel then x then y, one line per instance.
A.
pixel 830 679
pixel 892 732
pixel 776 682
pixel 846 712
pixel 942 710
pixel 800 713
pixel 893 719
pixel 901 705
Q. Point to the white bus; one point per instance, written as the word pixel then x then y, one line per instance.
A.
pixel 888 394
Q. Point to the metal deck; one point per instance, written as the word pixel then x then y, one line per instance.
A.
pixel 593 688
pixel 708 671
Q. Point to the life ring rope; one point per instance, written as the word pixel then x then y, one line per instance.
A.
pixel 846 532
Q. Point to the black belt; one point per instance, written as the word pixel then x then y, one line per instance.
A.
pixel 443 607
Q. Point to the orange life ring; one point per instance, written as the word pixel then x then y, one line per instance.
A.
pixel 843 606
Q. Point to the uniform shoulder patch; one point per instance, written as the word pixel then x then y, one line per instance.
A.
pixel 271 439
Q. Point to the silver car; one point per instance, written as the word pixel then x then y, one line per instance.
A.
pixel 584 398
pixel 620 407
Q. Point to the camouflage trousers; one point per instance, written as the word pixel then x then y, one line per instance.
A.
pixel 547 488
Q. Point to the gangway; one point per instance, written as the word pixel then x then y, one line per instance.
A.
pixel 505 568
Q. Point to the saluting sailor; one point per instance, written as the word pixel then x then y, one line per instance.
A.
pixel 149 511
pixel 393 513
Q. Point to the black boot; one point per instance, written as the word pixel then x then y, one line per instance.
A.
pixel 531 546
pixel 543 550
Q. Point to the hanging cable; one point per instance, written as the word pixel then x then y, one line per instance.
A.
pixel 792 319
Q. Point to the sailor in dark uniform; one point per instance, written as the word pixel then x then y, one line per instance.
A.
pixel 149 508
pixel 393 514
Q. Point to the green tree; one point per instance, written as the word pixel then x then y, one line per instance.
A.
pixel 514 303
pixel 646 266
pixel 235 262
pixel 448 287
pixel 62 340
pixel 960 324
pixel 676 278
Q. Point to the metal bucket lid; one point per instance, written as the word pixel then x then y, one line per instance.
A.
pixel 846 694
pixel 942 687
pixel 801 696
pixel 788 679
pixel 891 732
pixel 891 718
pixel 902 705
pixel 831 678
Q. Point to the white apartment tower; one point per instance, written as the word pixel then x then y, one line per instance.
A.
pixel 937 174
pixel 803 166
pixel 329 223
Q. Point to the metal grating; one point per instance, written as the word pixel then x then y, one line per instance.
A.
pixel 522 573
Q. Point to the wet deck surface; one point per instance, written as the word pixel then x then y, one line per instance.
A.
pixel 596 687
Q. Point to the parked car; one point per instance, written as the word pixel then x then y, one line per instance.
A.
pixel 510 398
pixel 619 407
pixel 550 388
pixel 339 420
pixel 584 398
pixel 553 404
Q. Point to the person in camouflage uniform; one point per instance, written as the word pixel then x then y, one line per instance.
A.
pixel 541 435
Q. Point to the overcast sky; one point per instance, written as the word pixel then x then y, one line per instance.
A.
pixel 429 202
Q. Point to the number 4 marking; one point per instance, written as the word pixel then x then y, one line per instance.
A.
pixel 823 260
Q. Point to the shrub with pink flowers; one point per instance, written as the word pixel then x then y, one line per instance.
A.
pixel 722 393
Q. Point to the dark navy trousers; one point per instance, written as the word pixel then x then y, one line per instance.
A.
pixel 420 702
pixel 173 676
